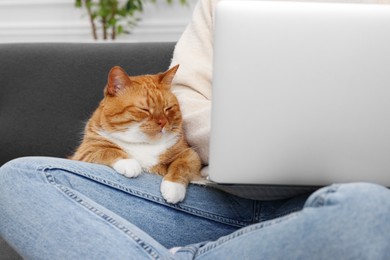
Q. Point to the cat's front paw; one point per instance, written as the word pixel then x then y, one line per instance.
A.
pixel 173 192
pixel 128 167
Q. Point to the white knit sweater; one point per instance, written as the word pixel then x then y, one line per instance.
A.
pixel 192 83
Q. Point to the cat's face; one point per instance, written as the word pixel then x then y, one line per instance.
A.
pixel 140 108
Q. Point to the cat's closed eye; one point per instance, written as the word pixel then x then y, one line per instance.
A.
pixel 169 108
pixel 144 109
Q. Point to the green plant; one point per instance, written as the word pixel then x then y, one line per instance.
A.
pixel 115 16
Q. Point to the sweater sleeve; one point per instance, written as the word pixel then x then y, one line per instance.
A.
pixel 192 83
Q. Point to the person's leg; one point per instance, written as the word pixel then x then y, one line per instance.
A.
pixel 44 219
pixel 349 221
pixel 49 197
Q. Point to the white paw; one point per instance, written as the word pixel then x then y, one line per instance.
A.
pixel 173 192
pixel 128 167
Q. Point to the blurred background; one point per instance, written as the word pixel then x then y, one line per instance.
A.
pixel 75 20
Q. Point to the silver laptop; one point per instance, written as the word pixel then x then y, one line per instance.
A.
pixel 301 96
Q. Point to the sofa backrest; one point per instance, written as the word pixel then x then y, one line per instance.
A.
pixel 48 91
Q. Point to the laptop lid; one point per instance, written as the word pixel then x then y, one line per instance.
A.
pixel 301 93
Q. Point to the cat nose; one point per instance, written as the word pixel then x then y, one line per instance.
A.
pixel 162 122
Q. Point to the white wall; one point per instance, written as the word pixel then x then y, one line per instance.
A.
pixel 61 21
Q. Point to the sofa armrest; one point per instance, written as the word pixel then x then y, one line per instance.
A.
pixel 48 91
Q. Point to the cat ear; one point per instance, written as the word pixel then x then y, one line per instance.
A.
pixel 117 80
pixel 167 77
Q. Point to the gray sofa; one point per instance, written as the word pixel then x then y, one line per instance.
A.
pixel 48 91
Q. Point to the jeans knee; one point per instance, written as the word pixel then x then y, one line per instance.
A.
pixel 17 170
pixel 356 214
pixel 19 163
pixel 352 195
pixel 30 162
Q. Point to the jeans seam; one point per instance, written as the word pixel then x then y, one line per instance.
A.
pixel 153 198
pixel 243 231
pixel 148 249
pixel 190 250
pixel 256 212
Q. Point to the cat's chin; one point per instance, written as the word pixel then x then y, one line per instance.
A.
pixel 158 137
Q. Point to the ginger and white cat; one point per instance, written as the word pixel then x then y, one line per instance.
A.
pixel 138 126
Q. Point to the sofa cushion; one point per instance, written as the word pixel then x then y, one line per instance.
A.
pixel 48 91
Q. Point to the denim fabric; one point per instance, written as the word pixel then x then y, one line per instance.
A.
pixel 60 209
pixel 348 221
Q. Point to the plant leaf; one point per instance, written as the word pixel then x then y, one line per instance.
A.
pixel 78 3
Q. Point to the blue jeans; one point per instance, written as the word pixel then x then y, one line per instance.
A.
pixel 60 209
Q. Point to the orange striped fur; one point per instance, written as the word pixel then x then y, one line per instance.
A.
pixel 140 115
